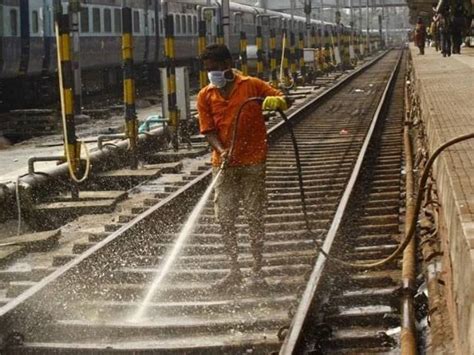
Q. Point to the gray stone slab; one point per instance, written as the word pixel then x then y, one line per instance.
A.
pixel 105 205
pixel 35 242
pixel 7 253
pixel 145 173
pixel 174 156
pixel 93 195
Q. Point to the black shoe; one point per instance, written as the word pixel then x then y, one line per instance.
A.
pixel 230 282
pixel 257 282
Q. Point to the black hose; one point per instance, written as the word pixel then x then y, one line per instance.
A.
pixel 304 207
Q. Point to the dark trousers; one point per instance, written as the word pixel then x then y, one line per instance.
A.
pixel 446 43
pixel 457 41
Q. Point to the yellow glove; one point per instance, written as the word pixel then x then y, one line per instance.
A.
pixel 272 103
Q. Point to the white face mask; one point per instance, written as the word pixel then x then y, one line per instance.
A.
pixel 218 78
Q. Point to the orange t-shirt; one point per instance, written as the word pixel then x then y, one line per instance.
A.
pixel 218 114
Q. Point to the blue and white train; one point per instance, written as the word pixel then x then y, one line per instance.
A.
pixel 27 45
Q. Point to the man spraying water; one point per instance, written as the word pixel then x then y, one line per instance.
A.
pixel 243 156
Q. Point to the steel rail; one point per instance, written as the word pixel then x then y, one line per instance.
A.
pixel 9 309
pixel 291 341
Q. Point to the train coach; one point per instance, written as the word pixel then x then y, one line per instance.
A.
pixel 27 44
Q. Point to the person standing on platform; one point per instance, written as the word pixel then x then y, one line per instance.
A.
pixel 434 28
pixel 243 177
pixel 420 35
pixel 444 29
pixel 458 25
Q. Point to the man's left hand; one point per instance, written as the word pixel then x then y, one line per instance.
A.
pixel 272 103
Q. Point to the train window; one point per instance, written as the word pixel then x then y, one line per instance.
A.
pixel 95 19
pixel 152 25
pixel 183 24
pixel 107 20
pixel 177 24
pixel 14 22
pixel 237 22
pixel 85 19
pixel 195 24
pixel 136 22
pixel 34 22
pixel 190 24
pixel 117 21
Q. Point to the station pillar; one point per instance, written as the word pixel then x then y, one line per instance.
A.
pixel 273 59
pixel 243 53
pixel 173 112
pixel 201 48
pixel 72 148
pixel 293 69
pixel 301 55
pixel 131 122
pixel 259 45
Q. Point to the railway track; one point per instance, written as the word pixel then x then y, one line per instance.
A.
pixel 88 304
pixel 358 311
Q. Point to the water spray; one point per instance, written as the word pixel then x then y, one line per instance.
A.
pixel 188 228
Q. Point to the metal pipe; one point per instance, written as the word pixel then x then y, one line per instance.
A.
pixel 104 137
pixel 33 160
pixel 408 332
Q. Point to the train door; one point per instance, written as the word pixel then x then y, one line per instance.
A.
pixel 36 39
pixel 264 22
pixel 156 31
pixel 24 37
pixel 11 41
pixel 2 24
pixel 210 15
pixel 46 21
pixel 146 32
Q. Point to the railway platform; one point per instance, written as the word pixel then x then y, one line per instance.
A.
pixel 445 88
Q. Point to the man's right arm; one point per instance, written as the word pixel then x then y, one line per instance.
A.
pixel 215 143
pixel 207 126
